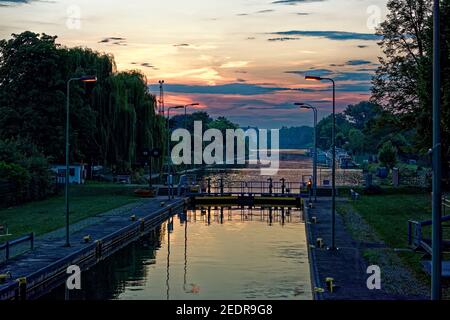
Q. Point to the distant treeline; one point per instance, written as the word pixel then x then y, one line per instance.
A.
pixel 296 137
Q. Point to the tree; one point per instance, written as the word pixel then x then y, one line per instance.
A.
pixel 361 113
pixel 403 82
pixel 111 122
pixel 356 141
pixel 387 155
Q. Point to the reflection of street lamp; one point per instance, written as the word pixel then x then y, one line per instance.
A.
pixel 436 270
pixel 333 210
pixel 85 79
pixel 310 107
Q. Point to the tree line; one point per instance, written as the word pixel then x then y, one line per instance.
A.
pixel 398 116
pixel 112 121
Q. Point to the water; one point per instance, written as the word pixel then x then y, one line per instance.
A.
pixel 244 254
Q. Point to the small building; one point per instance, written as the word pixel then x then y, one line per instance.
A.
pixel 77 173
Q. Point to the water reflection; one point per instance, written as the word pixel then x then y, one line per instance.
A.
pixel 209 253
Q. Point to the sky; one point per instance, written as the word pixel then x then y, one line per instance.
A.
pixel 243 59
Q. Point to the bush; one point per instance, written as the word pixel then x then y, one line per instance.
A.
pixel 25 169
pixel 388 155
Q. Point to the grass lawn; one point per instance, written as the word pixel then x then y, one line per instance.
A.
pixel 44 216
pixel 388 215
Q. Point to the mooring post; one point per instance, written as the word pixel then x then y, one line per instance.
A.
pixel 283 185
pixel 270 185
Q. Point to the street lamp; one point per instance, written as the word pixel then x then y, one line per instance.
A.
pixel 169 160
pixel 85 79
pixel 333 138
pixel 310 107
pixel 436 270
pixel 185 119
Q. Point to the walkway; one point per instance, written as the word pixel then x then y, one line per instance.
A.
pixel 49 248
pixel 346 265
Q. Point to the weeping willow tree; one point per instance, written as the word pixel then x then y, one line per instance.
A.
pixel 111 122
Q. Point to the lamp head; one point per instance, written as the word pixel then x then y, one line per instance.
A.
pixel 303 105
pixel 88 79
pixel 313 78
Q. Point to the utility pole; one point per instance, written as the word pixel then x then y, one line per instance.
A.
pixel 161 97
pixel 436 272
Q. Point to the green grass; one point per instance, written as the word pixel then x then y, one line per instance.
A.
pixel 44 216
pixel 388 215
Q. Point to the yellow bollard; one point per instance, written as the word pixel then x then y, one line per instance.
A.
pixel 319 243
pixel 330 284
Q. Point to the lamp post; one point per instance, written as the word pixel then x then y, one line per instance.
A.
pixel 436 271
pixel 310 107
pixel 84 79
pixel 185 119
pixel 333 138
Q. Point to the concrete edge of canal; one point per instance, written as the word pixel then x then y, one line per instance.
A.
pixel 32 283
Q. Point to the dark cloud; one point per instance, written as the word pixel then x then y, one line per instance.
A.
pixel 181 45
pixel 312 72
pixel 354 76
pixel 225 89
pixel 331 35
pixel 119 41
pixel 10 3
pixel 283 39
pixel 361 75
pixel 303 13
pixel 148 65
pixel 357 62
pixel 265 11
pixel 362 46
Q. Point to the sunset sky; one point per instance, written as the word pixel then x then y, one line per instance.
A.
pixel 244 59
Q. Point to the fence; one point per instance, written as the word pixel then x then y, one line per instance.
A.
pixel 10 195
pixel 16 247
pixel 251 187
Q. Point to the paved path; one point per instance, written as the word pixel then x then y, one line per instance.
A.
pixel 49 248
pixel 345 265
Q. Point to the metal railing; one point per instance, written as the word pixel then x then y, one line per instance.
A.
pixel 16 247
pixel 415 228
pixel 223 187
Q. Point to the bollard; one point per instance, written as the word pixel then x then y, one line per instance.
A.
pixel 142 225
pixel 133 217
pixel 22 288
pixel 98 249
pixel 330 284
pixel 320 243
pixel 87 239
pixel 314 220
